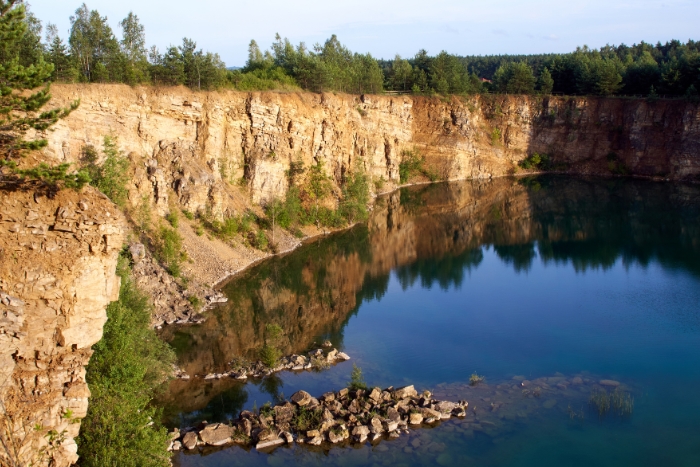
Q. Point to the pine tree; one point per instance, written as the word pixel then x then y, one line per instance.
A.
pixel 20 110
pixel 57 55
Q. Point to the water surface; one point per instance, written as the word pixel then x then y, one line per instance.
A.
pixel 546 277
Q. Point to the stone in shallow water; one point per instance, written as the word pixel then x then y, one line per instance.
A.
pixel 270 443
pixel 301 398
pixel 415 419
pixel 189 441
pixel 548 404
pixel 216 434
pixel 609 383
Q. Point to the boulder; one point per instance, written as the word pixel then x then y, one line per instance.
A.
pixel 343 393
pixel 360 433
pixel 266 434
pixel 301 398
pixel 343 356
pixel 270 443
pixel 335 437
pixel 189 441
pixel 393 414
pixel 216 434
pixel 390 425
pixel 332 355
pixel 284 413
pixel 406 391
pixel 445 406
pixel 328 397
pixel 609 383
pixel 375 395
pixel 375 426
pixel 415 418
pixel 313 433
pixel 315 441
pixel 287 437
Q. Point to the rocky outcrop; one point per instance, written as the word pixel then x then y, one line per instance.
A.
pixel 346 416
pixel 57 274
pixel 223 153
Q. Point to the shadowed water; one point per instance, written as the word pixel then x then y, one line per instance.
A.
pixel 546 279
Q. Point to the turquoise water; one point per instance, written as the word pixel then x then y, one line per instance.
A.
pixel 538 278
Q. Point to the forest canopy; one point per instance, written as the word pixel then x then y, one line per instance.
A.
pixel 94 53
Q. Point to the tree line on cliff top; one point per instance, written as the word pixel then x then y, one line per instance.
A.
pixel 93 53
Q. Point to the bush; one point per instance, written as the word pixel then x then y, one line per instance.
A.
pixel 112 177
pixel 536 162
pixel 353 207
pixel 495 137
pixel 168 250
pixel 130 362
pixel 173 219
pixel 270 353
pixel 357 381
pixel 411 162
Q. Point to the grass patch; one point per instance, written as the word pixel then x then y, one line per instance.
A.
pixel 357 381
pixel 617 402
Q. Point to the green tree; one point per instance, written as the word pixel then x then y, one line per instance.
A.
pixel 402 72
pixel 112 177
pixel 133 46
pixel 318 185
pixel 546 82
pixel 21 101
pixel 57 55
pixel 94 47
pixel 515 78
pixel 122 428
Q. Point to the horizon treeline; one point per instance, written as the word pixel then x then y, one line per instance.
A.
pixel 93 53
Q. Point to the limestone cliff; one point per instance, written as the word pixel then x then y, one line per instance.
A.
pixel 57 275
pixel 221 153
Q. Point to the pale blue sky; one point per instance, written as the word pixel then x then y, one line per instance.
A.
pixel 384 28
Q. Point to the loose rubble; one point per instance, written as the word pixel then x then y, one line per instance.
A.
pixel 317 359
pixel 347 416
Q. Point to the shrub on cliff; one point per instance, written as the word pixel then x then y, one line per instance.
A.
pixel 129 363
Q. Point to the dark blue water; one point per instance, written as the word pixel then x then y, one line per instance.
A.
pixel 543 278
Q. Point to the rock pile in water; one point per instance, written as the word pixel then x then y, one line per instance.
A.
pixel 346 416
pixel 316 359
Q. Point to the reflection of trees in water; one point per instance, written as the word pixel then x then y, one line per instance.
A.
pixel 272 385
pixel 446 270
pixel 221 407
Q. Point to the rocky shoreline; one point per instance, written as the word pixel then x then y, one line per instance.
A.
pixel 343 417
pixel 318 359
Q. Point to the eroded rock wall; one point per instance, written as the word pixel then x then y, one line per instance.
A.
pixel 214 151
pixel 57 274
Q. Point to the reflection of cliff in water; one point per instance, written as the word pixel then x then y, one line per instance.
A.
pixel 434 234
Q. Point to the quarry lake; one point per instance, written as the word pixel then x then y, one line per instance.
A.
pixel 545 286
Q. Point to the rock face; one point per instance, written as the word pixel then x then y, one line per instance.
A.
pixel 57 275
pixel 188 147
pixel 222 153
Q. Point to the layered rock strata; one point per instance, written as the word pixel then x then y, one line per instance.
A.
pixel 57 274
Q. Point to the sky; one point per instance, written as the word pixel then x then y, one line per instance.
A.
pixel 385 28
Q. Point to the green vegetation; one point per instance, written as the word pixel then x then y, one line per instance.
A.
pixel 130 362
pixel 306 419
pixel 617 402
pixel 475 379
pixel 536 162
pixel 495 137
pixel 357 381
pixel 412 163
pixel 111 177
pixel 22 68
pixel 270 353
pixel 173 219
pixel 615 165
pixel 167 246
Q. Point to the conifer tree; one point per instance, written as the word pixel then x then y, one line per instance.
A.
pixel 21 110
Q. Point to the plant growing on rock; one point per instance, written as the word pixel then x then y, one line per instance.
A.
pixel 357 381
pixel 475 379
pixel 270 353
